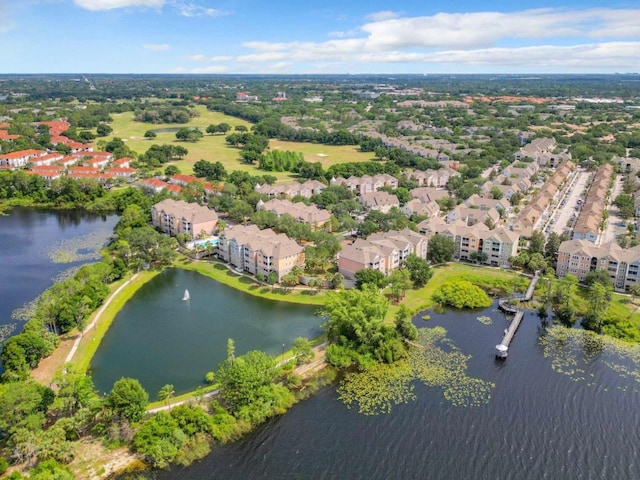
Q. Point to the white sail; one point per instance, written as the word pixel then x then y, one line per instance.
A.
pixel 186 295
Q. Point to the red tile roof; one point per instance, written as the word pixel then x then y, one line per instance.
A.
pixel 23 153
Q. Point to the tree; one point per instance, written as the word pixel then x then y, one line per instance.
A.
pixel 564 300
pixel 166 393
pixel 223 128
pixel 171 170
pixel 242 381
pixel 403 323
pixel 211 129
pixel 371 277
pixel 240 128
pixel 536 244
pixel 302 350
pixel 598 276
pixel 356 327
pixel 103 130
pixel 400 280
pixel 441 249
pixel 240 211
pixel 150 134
pixel 128 399
pixel 496 193
pixel 552 246
pixel 599 299
pixel 634 290
pixel 189 134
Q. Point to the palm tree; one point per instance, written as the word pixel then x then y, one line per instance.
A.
pixel 166 393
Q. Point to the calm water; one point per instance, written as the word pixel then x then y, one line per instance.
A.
pixel 158 338
pixel 539 424
pixel 28 237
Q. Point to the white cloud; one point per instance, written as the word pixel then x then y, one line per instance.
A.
pixel 583 56
pixel 380 16
pixel 112 4
pixel 220 58
pixel 187 9
pixel 210 69
pixel 155 47
pixel 204 58
pixel 478 38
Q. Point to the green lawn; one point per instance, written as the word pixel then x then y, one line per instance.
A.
pixel 220 272
pixel 214 148
pixel 485 277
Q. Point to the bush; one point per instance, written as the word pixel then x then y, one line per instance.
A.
pixel 462 294
pixel 3 465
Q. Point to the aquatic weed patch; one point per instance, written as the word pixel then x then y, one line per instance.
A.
pixel 435 361
pixel 79 249
pixel 572 351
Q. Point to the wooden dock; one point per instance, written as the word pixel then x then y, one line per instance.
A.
pixel 502 349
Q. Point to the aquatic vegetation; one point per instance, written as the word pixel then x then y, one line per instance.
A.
pixel 26 311
pixel 572 350
pixel 484 319
pixel 79 249
pixel 378 388
pixel 435 361
pixel 65 274
pixel 6 331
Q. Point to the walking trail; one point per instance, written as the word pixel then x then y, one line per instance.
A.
pixel 95 320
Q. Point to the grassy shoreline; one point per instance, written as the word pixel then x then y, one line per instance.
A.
pixel 221 273
pixel 91 339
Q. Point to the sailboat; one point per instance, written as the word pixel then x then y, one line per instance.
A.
pixel 186 295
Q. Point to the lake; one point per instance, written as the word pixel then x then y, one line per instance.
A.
pixel 40 245
pixel 572 414
pixel 161 339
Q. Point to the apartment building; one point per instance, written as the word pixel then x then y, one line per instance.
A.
pixel 579 257
pixel 176 216
pixel 259 252
pixel 384 252
pixel 302 213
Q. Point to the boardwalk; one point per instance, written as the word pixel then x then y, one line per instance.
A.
pixel 502 349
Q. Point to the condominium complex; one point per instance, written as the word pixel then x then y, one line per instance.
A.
pixel 259 252
pixel 175 216
pixel 579 257
pixel 384 252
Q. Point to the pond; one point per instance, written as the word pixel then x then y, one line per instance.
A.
pixel 159 338
pixel 39 246
pixel 563 413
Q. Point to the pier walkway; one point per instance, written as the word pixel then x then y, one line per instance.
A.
pixel 504 304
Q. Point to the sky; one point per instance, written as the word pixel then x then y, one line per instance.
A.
pixel 306 37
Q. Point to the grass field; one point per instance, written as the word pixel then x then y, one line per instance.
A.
pixel 214 149
pixel 222 274
pixel 485 277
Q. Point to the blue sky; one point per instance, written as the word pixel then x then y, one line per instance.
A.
pixel 251 36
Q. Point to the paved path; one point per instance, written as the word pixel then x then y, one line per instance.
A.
pixel 301 370
pixel 95 320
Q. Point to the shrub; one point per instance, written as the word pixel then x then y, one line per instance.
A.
pixel 462 294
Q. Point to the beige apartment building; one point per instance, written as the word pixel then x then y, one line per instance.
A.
pixel 176 216
pixel 259 252
pixel 579 257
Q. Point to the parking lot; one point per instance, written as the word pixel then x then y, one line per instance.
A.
pixel 566 212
